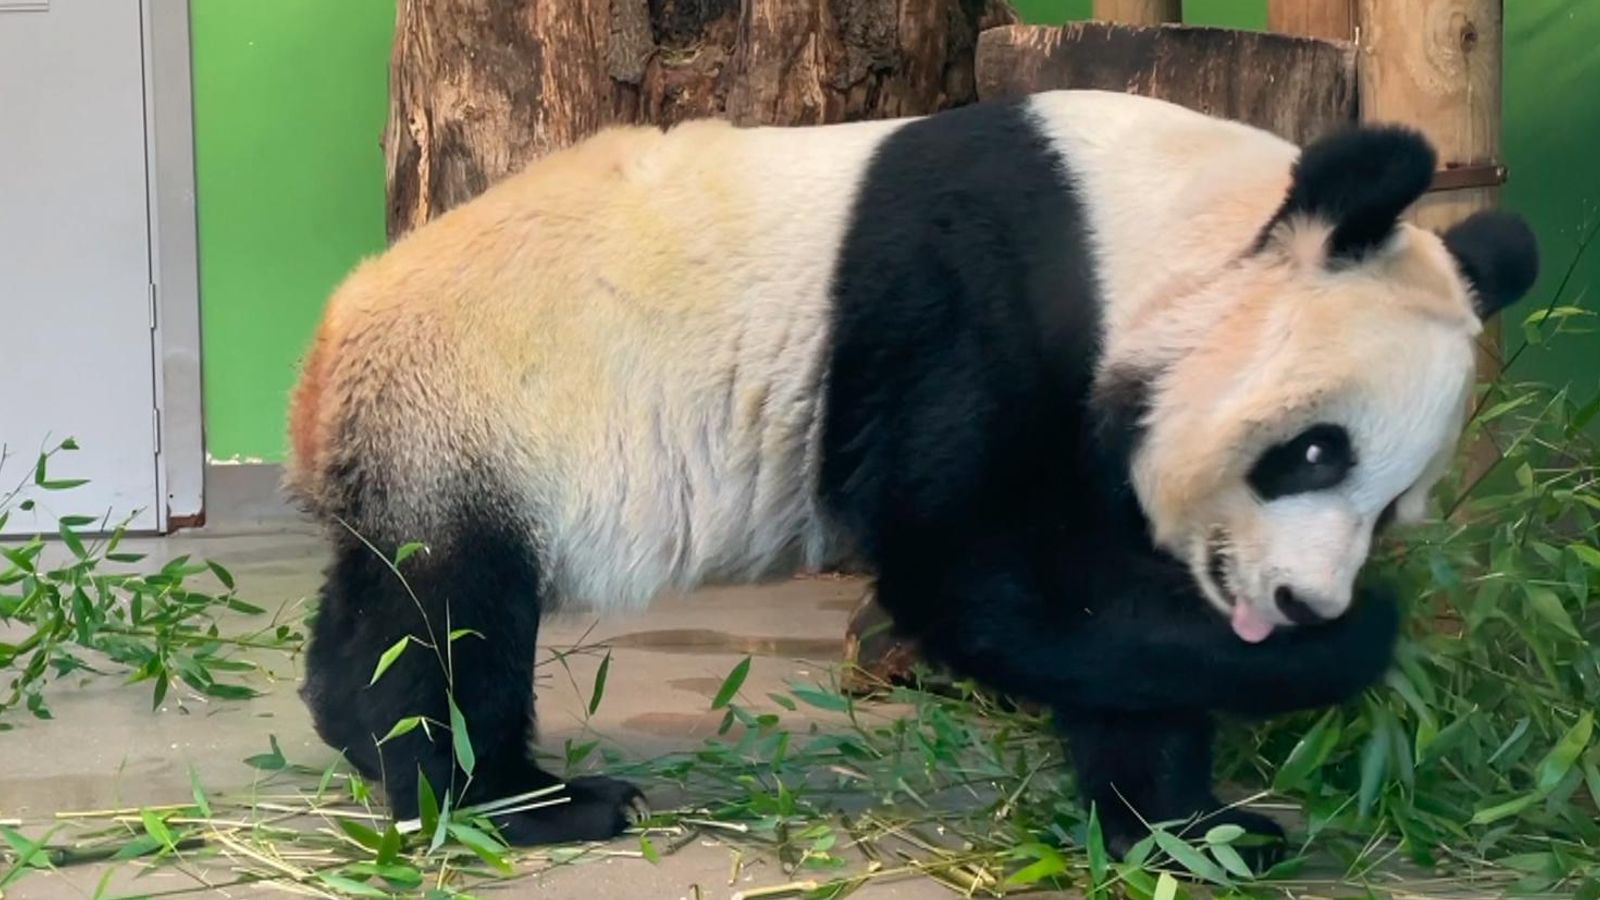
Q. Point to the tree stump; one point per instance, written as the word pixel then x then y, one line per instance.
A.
pixel 481 87
pixel 1299 88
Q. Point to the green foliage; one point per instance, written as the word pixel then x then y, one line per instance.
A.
pixel 1479 748
pixel 1477 758
pixel 70 607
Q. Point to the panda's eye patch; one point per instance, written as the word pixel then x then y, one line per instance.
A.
pixel 1317 459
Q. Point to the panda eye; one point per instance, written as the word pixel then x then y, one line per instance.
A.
pixel 1317 459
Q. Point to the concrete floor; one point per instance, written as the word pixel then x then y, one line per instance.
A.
pixel 106 749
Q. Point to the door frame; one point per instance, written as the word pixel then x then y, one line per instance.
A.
pixel 174 264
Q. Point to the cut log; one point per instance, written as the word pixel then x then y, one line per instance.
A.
pixel 1297 87
pixel 1139 12
pixel 481 87
pixel 1332 19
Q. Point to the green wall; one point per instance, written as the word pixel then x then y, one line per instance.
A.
pixel 290 101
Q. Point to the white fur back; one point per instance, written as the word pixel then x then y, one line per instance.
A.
pixel 714 435
pixel 1170 194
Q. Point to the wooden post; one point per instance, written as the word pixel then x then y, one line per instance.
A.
pixel 1138 12
pixel 1333 20
pixel 1435 65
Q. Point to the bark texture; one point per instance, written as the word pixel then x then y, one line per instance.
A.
pixel 481 87
pixel 1296 87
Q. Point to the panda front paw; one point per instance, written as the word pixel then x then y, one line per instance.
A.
pixel 1263 845
pixel 1365 638
pixel 585 809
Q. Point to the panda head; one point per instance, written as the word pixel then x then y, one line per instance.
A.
pixel 1293 404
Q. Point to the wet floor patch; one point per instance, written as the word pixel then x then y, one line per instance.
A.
pixel 679 726
pixel 702 640
pixel 705 687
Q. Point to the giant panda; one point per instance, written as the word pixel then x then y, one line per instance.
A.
pixel 1110 396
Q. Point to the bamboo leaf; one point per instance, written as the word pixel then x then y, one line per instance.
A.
pixel 731 684
pixel 460 740
pixel 649 850
pixel 157 828
pixel 1549 607
pixel 223 575
pixel 195 790
pixel 1099 862
pixel 361 834
pixel 1310 752
pixel 1589 555
pixel 827 700
pixel 1231 860
pixel 268 762
pixel 387 659
pixel 1188 857
pixel 1374 760
pixel 599 690
pixel 1561 758
pixel 350 885
pixel 407 551
pixel 1048 862
pixel 488 850
pixel 427 804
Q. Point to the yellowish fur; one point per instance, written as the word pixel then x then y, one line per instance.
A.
pixel 624 346
pixel 624 332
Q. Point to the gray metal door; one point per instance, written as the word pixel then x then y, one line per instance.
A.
pixel 76 355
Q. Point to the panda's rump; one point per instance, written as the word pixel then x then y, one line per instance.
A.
pixel 622 351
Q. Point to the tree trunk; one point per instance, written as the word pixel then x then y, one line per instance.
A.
pixel 481 87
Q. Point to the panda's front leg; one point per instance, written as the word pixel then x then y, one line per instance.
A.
pixel 1133 673
pixel 1154 768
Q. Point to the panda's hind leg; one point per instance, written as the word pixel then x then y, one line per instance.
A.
pixel 1155 768
pixel 486 591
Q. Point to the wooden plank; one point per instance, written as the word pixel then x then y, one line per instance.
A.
pixel 1435 65
pixel 1297 87
pixel 1139 12
pixel 1330 19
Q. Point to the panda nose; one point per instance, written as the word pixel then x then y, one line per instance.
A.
pixel 1296 610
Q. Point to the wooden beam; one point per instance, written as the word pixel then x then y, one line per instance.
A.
pixel 1298 88
pixel 1435 65
pixel 1138 12
pixel 1333 20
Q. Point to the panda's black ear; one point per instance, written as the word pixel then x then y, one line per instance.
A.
pixel 1498 255
pixel 1359 181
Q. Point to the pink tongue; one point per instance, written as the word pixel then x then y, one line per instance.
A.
pixel 1249 625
